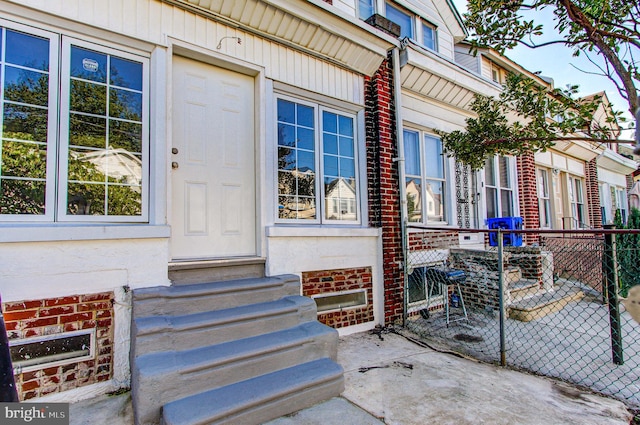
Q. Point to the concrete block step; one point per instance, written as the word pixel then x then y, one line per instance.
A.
pixel 200 297
pixel 541 305
pixel 178 374
pixel 260 399
pixel 523 289
pixel 173 333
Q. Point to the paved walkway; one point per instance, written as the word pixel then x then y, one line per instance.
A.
pixel 391 380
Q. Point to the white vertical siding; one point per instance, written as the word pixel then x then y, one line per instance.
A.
pixel 153 21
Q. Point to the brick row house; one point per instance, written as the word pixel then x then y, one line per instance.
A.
pixel 196 185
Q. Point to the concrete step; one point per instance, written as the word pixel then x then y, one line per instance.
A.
pixel 260 399
pixel 187 272
pixel 173 333
pixel 541 305
pixel 168 376
pixel 523 289
pixel 196 298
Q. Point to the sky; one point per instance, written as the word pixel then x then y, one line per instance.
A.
pixel 556 62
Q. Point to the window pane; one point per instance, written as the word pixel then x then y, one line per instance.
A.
pixel 414 199
pixel 286 158
pixel 125 104
pixel 404 20
pixel 88 64
pixel 339 182
pixel 24 86
pixel 506 202
pixel 88 97
pixel 286 111
pixel 126 136
pixel 330 145
pixel 27 50
pixel 428 37
pixel 85 199
pixel 434 200
pixel 87 131
pixel 286 135
pixel 492 202
pixel 346 147
pixel 126 73
pixel 20 159
pixel 503 169
pixel 24 123
pixel 365 8
pixel 22 197
pixel 330 165
pixel 124 200
pixel 411 153
pixel 306 139
pixel 489 172
pixel 305 116
pixel 434 158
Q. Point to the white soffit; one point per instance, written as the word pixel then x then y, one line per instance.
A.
pixel 613 161
pixel 307 25
pixel 436 78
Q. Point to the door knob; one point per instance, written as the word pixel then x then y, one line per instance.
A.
pixel 174 165
pixel 174 150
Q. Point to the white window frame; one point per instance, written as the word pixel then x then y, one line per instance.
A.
pixel 418 25
pixel 320 201
pixel 446 202
pixel 577 202
pixel 544 197
pixel 498 188
pixel 58 126
pixel 67 42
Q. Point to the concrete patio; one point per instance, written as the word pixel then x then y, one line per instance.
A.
pixel 392 380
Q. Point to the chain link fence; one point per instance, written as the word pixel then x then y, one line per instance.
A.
pixel 551 306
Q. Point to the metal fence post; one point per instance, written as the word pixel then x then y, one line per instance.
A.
pixel 503 354
pixel 611 285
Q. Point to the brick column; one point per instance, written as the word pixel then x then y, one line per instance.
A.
pixel 528 194
pixel 593 194
pixel 383 183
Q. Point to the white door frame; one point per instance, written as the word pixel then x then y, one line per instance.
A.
pixel 191 51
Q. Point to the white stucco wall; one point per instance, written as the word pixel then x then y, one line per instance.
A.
pixel 297 249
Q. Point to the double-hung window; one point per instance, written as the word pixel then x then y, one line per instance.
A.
pixel 429 39
pixel 74 130
pixel 425 178
pixel 544 200
pixel 576 197
pixel 499 187
pixel 413 26
pixel 317 163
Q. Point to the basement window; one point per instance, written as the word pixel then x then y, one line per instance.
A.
pixel 52 350
pixel 339 301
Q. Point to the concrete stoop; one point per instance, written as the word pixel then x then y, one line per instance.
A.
pixel 242 351
pixel 538 306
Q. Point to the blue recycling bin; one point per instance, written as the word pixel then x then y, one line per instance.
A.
pixel 505 223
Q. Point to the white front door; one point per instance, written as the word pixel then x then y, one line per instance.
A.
pixel 213 162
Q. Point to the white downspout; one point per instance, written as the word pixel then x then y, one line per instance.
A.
pixel 397 98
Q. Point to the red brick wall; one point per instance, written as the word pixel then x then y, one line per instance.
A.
pixel 593 194
pixel 331 281
pixel 528 193
pixel 52 316
pixel 433 240
pixel 383 184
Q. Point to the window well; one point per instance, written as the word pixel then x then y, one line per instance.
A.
pixel 340 300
